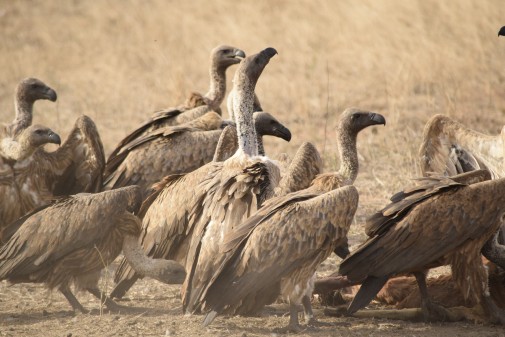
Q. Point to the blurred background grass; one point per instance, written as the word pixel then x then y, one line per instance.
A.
pixel 118 61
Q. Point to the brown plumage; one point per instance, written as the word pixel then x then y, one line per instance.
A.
pixel 440 221
pixel 196 105
pixel 30 176
pixel 261 261
pixel 211 198
pixel 72 239
pixel 28 91
pixel 450 148
pixel 177 149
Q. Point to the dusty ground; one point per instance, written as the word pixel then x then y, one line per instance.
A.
pixel 118 61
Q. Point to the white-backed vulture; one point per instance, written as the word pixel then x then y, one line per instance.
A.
pixel 196 105
pixel 28 91
pixel 72 239
pixel 440 221
pixel 30 177
pixel 177 149
pixel 186 209
pixel 262 261
pixel 450 148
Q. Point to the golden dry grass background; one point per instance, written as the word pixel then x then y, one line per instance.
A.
pixel 118 61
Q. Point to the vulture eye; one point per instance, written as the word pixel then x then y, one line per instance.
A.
pixel 39 132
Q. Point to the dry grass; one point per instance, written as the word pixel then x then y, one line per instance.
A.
pixel 118 61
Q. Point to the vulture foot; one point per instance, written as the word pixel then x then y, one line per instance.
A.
pixel 497 314
pixel 76 306
pixel 434 312
pixel 104 299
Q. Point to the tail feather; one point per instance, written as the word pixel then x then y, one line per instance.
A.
pixel 209 318
pixel 369 288
pixel 122 287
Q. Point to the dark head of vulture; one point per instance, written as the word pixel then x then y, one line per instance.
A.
pixel 501 31
pixel 27 92
pixel 31 89
pixel 267 125
pixel 224 56
pixel 252 67
pixel 29 140
pixel 350 123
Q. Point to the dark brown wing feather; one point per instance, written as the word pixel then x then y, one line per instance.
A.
pixel 77 166
pixel 422 235
pixel 66 226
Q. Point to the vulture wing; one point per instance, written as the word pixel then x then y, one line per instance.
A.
pixel 450 148
pixel 292 233
pixel 77 166
pixel 227 144
pixel 56 230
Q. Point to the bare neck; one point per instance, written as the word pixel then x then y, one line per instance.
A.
pixel 247 139
pixel 259 140
pixel 24 114
pixel 217 88
pixel 346 147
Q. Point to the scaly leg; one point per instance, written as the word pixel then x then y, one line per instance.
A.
pixel 72 300
pixel 431 311
pixel 109 303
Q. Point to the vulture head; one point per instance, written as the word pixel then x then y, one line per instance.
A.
pixel 38 135
pixel 354 120
pixel 501 31
pixel 251 68
pixel 225 56
pixel 32 89
pixel 267 125
pixel 25 143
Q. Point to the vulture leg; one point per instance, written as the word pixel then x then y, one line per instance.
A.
pixel 72 300
pixel 494 251
pixel 307 311
pixel 431 311
pixel 110 304
pixel 294 324
pixel 497 314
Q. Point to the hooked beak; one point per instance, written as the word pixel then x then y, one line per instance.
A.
pixel 282 132
pixel 501 31
pixel 54 138
pixel 50 94
pixel 377 119
pixel 239 53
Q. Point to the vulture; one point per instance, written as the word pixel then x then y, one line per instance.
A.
pixel 178 149
pixel 70 240
pixel 450 148
pixel 440 221
pixel 27 92
pixel 30 177
pixel 196 105
pixel 186 211
pixel 262 258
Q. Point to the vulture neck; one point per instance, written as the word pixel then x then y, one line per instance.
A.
pixel 24 113
pixel 346 147
pixel 259 141
pixel 246 132
pixel 217 88
pixel 15 150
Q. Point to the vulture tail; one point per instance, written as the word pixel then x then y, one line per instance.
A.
pixel 369 288
pixel 209 318
pixel 122 287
